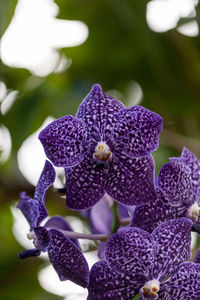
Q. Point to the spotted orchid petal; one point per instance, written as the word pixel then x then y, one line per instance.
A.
pixel 99 112
pixel 67 259
pixel 193 163
pixel 163 295
pixel 175 182
pixel 152 214
pixel 42 234
pixel 85 183
pixel 64 141
pixel 58 222
pixel 173 239
pixel 30 209
pixel 34 209
pixel 29 253
pixel 137 131
pixel 184 284
pixel 131 251
pixel 46 179
pixel 106 284
pixel 131 180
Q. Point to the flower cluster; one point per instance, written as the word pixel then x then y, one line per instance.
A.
pixel 106 153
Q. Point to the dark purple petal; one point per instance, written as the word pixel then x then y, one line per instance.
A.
pixel 173 239
pixel 29 253
pixel 137 131
pixel 131 180
pixel 58 222
pixel 64 141
pixel 42 237
pixel 100 217
pixel 185 283
pixel 150 215
pixel 131 251
pixel 106 284
pixel 163 295
pixel 67 259
pixel 193 164
pixel 46 179
pixel 197 257
pixel 196 228
pixel 99 112
pixel 30 209
pixel 175 182
pixel 85 183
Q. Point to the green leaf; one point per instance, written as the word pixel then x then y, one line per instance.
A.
pixel 136 297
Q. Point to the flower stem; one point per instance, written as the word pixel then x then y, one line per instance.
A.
pixel 124 221
pixel 89 236
pixel 136 297
pixel 115 223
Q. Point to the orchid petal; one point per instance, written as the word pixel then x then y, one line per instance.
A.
pixel 64 141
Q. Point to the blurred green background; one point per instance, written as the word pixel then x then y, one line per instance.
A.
pixel 128 59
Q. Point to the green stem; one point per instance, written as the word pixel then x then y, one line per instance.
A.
pixel 136 297
pixel 115 223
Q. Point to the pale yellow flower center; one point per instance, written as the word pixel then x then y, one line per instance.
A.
pixel 151 288
pixel 193 212
pixel 102 152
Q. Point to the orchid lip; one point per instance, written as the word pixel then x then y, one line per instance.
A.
pixel 150 289
pixel 102 152
pixel 193 212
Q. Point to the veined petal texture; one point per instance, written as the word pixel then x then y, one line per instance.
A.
pixel 193 163
pixel 64 141
pixel 185 283
pixel 137 131
pixel 150 215
pixel 30 209
pixel 131 251
pixel 85 183
pixel 46 179
pixel 106 284
pixel 34 209
pixel 173 239
pixel 175 182
pixel 131 180
pixel 67 259
pixel 99 112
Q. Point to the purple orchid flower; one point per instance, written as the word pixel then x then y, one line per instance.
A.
pixel 153 266
pixel 34 209
pixel 178 194
pixel 64 253
pixel 105 148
